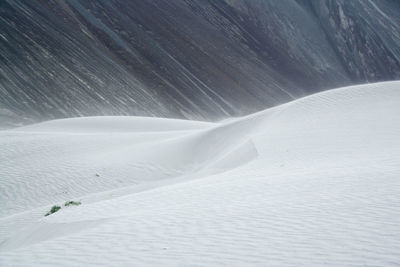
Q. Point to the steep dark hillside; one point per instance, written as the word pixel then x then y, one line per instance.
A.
pixel 198 59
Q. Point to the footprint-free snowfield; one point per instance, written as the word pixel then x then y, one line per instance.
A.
pixel 309 183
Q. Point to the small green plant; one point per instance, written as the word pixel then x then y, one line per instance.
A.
pixel 74 203
pixel 98 175
pixel 53 210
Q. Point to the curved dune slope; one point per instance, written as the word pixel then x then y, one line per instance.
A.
pixel 312 182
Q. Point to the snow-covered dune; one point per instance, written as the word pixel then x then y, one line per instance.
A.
pixel 312 182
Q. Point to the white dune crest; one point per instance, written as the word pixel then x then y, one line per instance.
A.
pixel 311 182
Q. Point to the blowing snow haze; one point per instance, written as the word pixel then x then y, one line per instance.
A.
pixel 197 59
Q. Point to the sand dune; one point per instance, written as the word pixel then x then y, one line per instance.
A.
pixel 312 182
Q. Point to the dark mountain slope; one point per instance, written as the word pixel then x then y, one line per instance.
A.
pixel 200 59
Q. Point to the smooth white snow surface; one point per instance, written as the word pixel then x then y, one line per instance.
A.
pixel 309 183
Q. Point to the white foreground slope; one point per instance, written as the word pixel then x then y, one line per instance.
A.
pixel 312 182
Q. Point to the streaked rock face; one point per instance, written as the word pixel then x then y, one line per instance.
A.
pixel 198 59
